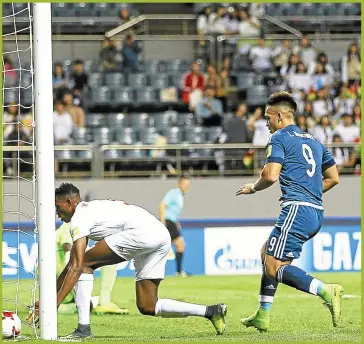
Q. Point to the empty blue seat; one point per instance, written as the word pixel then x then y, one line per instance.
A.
pixel 151 66
pixel 101 95
pixel 10 95
pixel 306 9
pixel 137 80
pixel 63 10
pixel 147 135
pixel 241 62
pixel 112 154
pixel 114 80
pixel 102 136
pixel 80 136
pixel 163 120
pixel 64 154
pixel 115 120
pixel 140 120
pixel 213 133
pixel 173 65
pixel 159 81
pixel 95 79
pixel 185 119
pixel 84 9
pixel 146 96
pixel 194 134
pixel 245 80
pixel 135 153
pixel 105 10
pixel 95 120
pixel 173 135
pixel 84 154
pixel 123 96
pixel 126 136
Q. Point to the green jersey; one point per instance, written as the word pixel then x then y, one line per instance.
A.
pixel 63 236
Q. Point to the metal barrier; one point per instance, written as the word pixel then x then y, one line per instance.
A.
pixel 128 160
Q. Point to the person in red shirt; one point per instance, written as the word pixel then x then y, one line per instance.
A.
pixel 193 86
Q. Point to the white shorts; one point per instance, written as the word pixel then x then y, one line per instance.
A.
pixel 148 247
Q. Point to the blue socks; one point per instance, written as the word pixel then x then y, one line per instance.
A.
pixel 296 278
pixel 268 288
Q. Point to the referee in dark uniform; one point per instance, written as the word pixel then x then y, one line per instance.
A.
pixel 169 211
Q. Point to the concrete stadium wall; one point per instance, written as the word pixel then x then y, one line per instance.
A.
pixel 208 198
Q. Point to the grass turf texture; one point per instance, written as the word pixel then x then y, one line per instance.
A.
pixel 295 316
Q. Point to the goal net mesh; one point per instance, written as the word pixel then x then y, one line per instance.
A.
pixel 19 246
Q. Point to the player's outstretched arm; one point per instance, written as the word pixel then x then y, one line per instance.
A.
pixel 74 271
pixel 330 178
pixel 268 177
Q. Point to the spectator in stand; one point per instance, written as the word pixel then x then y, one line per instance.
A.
pixel 76 112
pixel 130 52
pixel 209 110
pixel 322 132
pixel 322 105
pixel 212 77
pixel 219 22
pixel 299 79
pixel 354 160
pixel 322 58
pixel 344 103
pixel 320 78
pixel 9 71
pixel 204 21
pixel 339 154
pixel 289 68
pixel 62 124
pixel 79 78
pixel 306 51
pixel 108 56
pixel 222 91
pixel 258 126
pixel 357 114
pixel 282 56
pixel 301 123
pixel 124 15
pixel 11 116
pixel 347 130
pixel 236 128
pixel 249 25
pixel 193 86
pixel 300 97
pixel 232 29
pixel 59 78
pixel 261 56
pixel 257 9
pixel 351 66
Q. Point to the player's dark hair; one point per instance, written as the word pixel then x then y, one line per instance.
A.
pixel 282 98
pixel 78 62
pixel 67 189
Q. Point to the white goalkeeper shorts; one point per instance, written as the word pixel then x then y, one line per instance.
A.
pixel 148 247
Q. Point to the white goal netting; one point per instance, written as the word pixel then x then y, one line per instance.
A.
pixel 19 246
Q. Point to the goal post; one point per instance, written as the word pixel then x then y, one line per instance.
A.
pixel 45 213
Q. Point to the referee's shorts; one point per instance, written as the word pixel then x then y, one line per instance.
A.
pixel 173 229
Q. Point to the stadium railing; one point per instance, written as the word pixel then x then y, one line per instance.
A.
pixel 137 160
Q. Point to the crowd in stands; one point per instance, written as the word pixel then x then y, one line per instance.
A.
pixel 327 92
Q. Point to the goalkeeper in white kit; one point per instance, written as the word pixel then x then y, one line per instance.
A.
pixel 101 304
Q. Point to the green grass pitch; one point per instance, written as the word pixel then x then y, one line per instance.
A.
pixel 295 316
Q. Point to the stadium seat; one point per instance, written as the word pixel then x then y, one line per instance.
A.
pixel 95 120
pixel 89 65
pixel 139 120
pixel 194 134
pixel 65 154
pixel 241 63
pixel 25 78
pixel 10 96
pixel 151 66
pixel 95 79
pixel 105 10
pixel 159 81
pixel 7 10
pixel 173 65
pixel 114 80
pixel 257 95
pixel 136 153
pixel 350 9
pixel 125 136
pixel 10 82
pixel 147 135
pixel 112 154
pixel 286 9
pixel 102 135
pixel 185 119
pixel 213 133
pixel 26 97
pixel 175 79
pixel 84 154
pixel 173 135
pixel 328 9
pixel 116 120
pixel 123 96
pixel 163 120
pixel 63 10
pixel 245 80
pixel 101 95
pixel 84 9
pixel 146 96
pixel 306 9
pixel 80 136
pixel 137 81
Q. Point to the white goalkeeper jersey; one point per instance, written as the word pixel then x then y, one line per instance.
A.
pixel 101 218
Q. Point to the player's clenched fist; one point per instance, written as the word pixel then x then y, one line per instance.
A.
pixel 246 189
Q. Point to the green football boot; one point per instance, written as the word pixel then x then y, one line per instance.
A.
pixel 259 319
pixel 332 294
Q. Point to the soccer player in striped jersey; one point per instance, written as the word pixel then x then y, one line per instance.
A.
pixel 305 170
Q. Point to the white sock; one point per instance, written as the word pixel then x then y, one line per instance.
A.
pixel 167 308
pixel 83 291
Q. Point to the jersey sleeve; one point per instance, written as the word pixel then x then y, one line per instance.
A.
pixel 327 159
pixel 168 198
pixel 80 225
pixel 275 150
